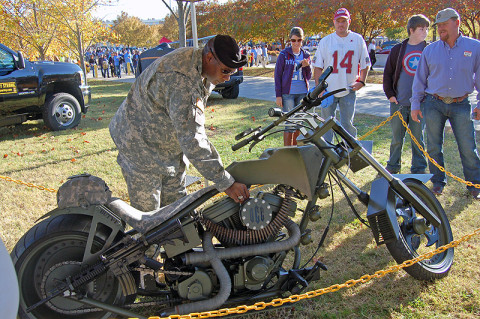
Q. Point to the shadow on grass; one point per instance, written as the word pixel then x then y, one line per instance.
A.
pixel 60 161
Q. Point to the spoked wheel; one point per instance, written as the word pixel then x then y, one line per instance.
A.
pixel 418 236
pixel 48 253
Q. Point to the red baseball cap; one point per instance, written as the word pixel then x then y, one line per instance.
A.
pixel 342 13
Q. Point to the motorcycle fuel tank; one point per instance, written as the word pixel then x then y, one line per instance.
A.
pixel 295 166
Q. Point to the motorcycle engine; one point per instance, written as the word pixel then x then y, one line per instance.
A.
pixel 255 221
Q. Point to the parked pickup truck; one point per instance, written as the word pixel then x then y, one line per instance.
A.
pixel 54 91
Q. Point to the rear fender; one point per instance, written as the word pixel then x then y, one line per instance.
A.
pixel 103 221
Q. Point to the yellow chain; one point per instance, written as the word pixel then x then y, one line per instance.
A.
pixel 28 184
pixel 380 125
pixel 458 179
pixel 315 293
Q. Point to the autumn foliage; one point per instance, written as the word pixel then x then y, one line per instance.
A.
pixel 271 20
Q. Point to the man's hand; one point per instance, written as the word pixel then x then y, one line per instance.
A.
pixel 415 114
pixel 279 102
pixel 476 111
pixel 238 192
pixel 393 99
pixel 357 86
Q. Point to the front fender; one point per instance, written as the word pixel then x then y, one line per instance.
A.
pixel 103 220
pixel 381 212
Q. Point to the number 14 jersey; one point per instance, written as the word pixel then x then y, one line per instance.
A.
pixel 346 55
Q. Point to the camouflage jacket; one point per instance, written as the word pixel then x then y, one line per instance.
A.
pixel 162 119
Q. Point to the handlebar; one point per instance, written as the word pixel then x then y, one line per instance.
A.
pixel 308 102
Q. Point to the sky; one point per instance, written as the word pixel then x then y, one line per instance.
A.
pixel 143 9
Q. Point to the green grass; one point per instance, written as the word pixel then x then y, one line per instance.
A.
pixel 33 154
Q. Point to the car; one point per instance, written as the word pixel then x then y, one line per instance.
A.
pixel 52 91
pixel 231 88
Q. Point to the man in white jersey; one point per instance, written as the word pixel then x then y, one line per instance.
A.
pixel 346 52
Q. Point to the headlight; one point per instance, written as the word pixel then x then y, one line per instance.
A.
pixel 82 78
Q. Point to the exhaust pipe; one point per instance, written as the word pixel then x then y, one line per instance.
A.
pixel 250 250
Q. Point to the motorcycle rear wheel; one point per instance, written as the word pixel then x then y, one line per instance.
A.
pixel 49 252
pixel 410 244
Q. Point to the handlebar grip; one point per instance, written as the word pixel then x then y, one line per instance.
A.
pixel 241 144
pixel 275 112
pixel 321 86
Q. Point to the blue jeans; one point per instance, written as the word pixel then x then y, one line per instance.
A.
pixel 346 105
pixel 419 163
pixel 436 113
pixel 289 102
pixel 118 71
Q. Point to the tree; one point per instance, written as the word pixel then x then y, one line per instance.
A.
pixel 26 27
pixel 257 20
pixel 182 15
pixel 369 17
pixel 132 31
pixel 76 26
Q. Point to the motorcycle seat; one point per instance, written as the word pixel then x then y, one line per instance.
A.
pixel 143 222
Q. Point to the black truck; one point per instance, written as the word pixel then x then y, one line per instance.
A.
pixel 54 91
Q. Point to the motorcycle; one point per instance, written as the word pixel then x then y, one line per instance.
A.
pixel 94 255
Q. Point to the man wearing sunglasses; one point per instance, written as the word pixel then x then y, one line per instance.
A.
pixel 345 51
pixel 159 128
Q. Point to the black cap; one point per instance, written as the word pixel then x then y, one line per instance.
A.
pixel 228 52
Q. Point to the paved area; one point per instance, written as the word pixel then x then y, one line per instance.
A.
pixel 370 99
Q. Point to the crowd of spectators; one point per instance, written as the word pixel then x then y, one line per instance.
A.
pixel 112 62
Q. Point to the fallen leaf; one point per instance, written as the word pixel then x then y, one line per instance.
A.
pixel 213 110
pixel 83 133
pixel 73 160
pixel 86 141
pixel 253 118
pixel 103 112
pixel 5 155
pixel 53 149
pixel 69 139
pixel 100 119
pixel 19 154
pixel 83 116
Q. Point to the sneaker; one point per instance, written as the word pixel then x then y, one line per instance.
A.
pixel 419 172
pixel 475 193
pixel 437 190
pixel 391 171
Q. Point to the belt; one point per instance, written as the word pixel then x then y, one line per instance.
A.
pixel 450 100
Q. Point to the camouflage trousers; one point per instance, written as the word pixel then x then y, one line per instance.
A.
pixel 151 191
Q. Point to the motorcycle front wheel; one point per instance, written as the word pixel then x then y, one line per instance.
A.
pixel 48 253
pixel 417 237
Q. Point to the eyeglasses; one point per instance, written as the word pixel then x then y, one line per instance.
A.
pixel 296 40
pixel 224 71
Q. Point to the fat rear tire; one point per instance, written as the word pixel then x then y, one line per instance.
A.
pixel 61 112
pixel 232 92
pixel 53 249
pixel 410 245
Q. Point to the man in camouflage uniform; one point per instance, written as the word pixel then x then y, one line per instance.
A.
pixel 161 123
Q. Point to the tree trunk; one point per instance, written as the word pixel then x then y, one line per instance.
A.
pixel 182 35
pixel 80 54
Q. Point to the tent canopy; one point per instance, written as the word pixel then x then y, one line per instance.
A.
pixel 164 40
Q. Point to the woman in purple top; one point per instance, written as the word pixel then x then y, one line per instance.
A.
pixel 292 73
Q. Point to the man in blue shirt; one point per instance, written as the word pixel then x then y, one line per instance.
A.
pixel 448 71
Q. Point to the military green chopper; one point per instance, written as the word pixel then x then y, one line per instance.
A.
pixel 80 261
